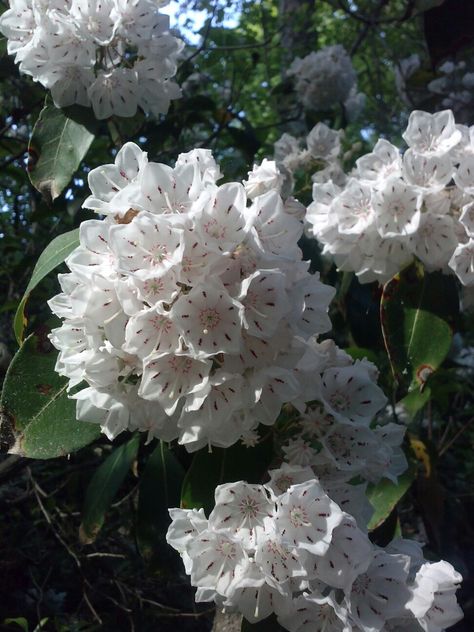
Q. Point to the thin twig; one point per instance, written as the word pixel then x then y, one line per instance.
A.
pixel 456 436
pixel 91 607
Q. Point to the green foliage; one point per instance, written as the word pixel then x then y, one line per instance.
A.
pixel 38 420
pixel 103 488
pixel 159 489
pixel 57 146
pixel 210 469
pixel 416 325
pixel 50 258
pixel 385 496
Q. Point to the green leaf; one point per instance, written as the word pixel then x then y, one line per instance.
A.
pixel 417 312
pixel 210 469
pixel 385 495
pixel 20 621
pixel 59 142
pixel 416 400
pixel 50 258
pixel 104 486
pixel 359 353
pixel 38 420
pixel 159 490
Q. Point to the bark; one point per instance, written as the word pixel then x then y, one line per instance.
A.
pixel 227 622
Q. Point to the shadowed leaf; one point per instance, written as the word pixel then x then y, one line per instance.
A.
pixel 50 258
pixel 160 489
pixel 416 324
pixel 38 420
pixel 104 486
pixel 57 146
pixel 210 469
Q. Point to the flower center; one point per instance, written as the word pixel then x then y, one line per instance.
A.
pixel 249 507
pixel 226 548
pixel 154 287
pixel 361 585
pixel 209 319
pixel 339 401
pixel 298 516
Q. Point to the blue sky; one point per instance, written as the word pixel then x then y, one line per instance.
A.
pixel 198 18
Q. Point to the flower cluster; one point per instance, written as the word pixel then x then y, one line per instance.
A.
pixel 115 55
pixel 452 88
pixel 299 555
pixel 455 88
pixel 393 208
pixel 188 311
pixel 322 152
pixel 326 78
pixel 297 546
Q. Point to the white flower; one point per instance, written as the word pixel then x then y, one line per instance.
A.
pixel 167 378
pixel 309 313
pixel 435 240
pixel 464 176
pixel 255 598
pixel 108 181
pixel 353 208
pixel 297 555
pixel 114 55
pixel 323 78
pixel 350 447
pixel 263 178
pixel 384 162
pixel 277 231
pixel 185 525
pixel 191 299
pixel 467 219
pixel 323 142
pixel 209 319
pixel 265 302
pixel 298 452
pixel 286 145
pixel 349 555
pixel 352 499
pixel 314 613
pixel 462 262
pixel 216 559
pixel 211 414
pixel 148 244
pixel 380 593
pixel 433 600
pixel 391 209
pixel 429 172
pixel 276 559
pixel 240 506
pixel 432 133
pixel 306 517
pixel 151 331
pixel 397 209
pixel 286 476
pixel 350 394
pixel 222 223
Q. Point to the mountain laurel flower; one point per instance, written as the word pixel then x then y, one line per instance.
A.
pixel 111 55
pixel 324 78
pixel 189 299
pixel 292 552
pixel 393 208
